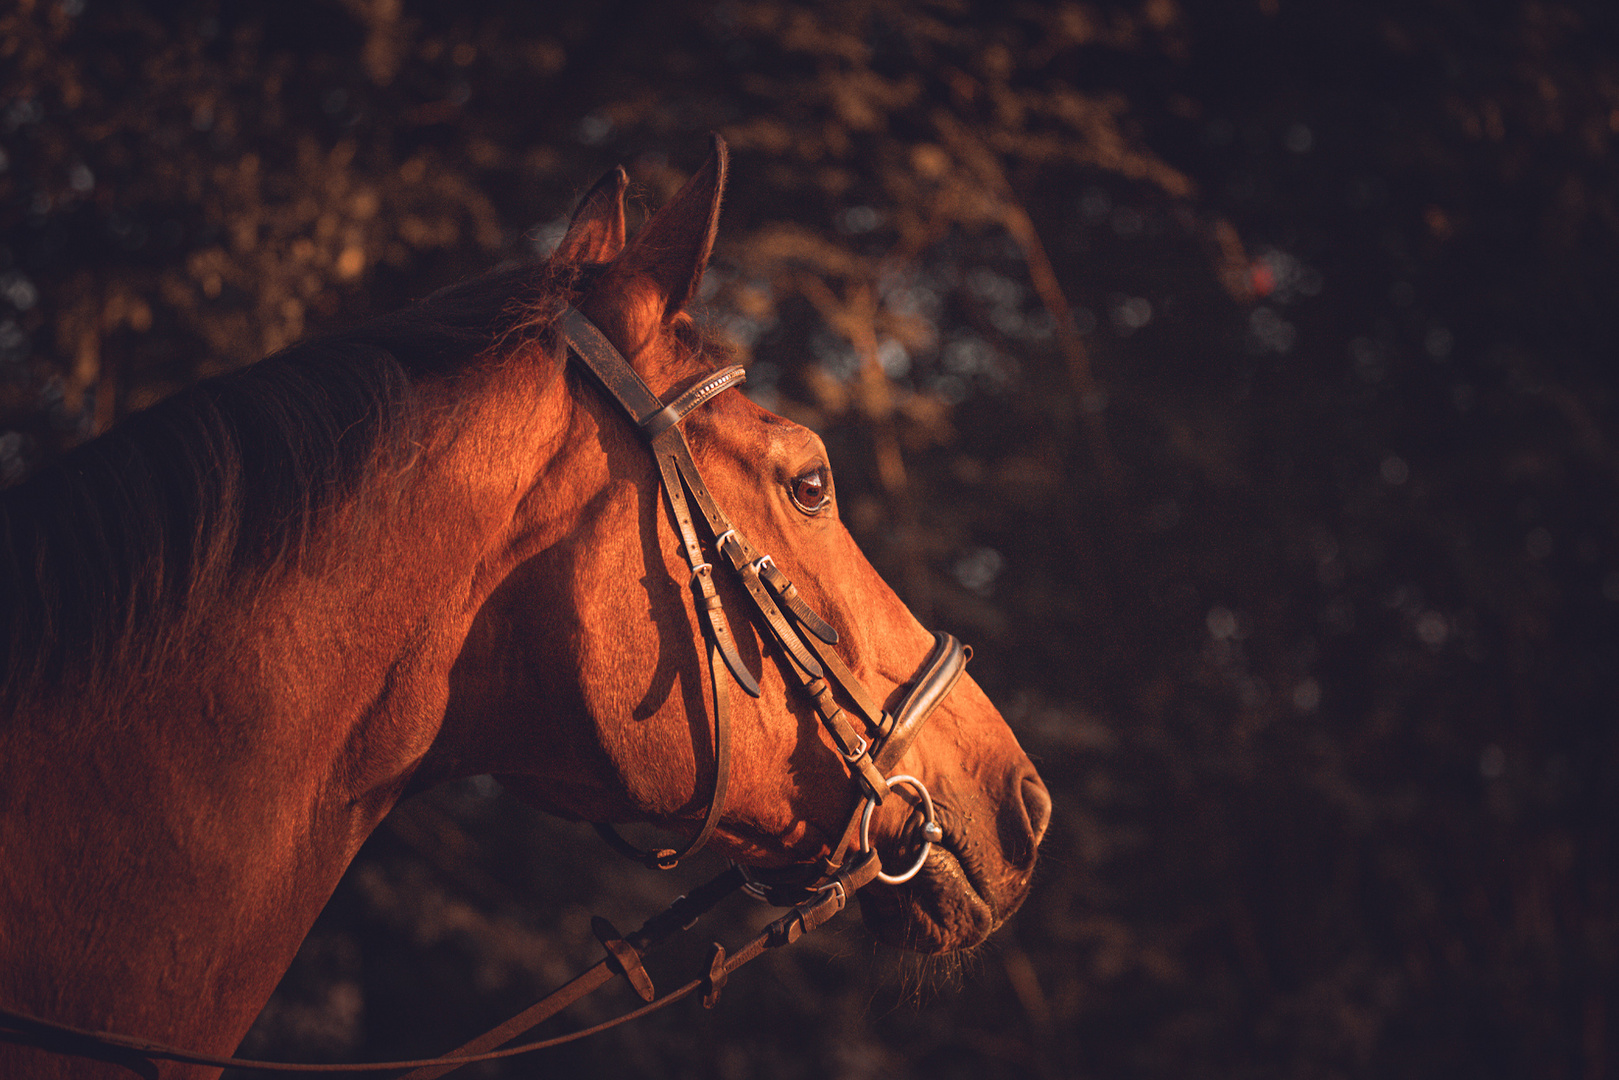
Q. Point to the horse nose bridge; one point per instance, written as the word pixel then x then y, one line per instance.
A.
pixel 986 782
pixel 968 740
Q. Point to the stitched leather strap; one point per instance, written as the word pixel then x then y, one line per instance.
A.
pixel 671 414
pixel 138 1055
pixel 868 756
pixel 818 668
pixel 599 355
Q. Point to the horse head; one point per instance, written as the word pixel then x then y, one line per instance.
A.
pixel 234 630
pixel 586 684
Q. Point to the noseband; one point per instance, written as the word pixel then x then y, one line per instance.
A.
pixel 871 744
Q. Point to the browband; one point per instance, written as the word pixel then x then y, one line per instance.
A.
pixel 872 744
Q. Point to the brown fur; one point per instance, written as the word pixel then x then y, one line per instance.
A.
pixel 241 627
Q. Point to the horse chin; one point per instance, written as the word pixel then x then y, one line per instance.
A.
pixel 942 909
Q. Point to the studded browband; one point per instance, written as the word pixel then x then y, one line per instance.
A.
pixel 870 749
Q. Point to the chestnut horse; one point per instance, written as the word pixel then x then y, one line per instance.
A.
pixel 241 626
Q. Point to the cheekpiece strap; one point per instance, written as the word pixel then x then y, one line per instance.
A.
pixel 609 366
pixel 631 392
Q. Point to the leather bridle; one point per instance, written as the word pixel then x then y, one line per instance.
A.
pixel 871 745
pixel 870 748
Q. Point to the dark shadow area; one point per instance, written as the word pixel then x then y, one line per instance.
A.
pixel 1236 379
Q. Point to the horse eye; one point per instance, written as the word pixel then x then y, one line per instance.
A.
pixel 809 491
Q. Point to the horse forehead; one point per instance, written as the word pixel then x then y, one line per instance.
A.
pixel 760 438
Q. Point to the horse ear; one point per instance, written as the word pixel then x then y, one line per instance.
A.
pixel 671 250
pixel 596 233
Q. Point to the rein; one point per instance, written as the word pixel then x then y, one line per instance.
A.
pixel 813 893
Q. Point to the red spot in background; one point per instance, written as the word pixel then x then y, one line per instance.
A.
pixel 1262 279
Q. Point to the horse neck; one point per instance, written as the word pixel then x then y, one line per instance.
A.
pixel 167 847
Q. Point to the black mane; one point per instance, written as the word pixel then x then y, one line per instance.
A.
pixel 226 481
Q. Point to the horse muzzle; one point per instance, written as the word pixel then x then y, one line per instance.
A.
pixel 975 877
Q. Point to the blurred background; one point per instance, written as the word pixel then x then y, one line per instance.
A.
pixel 1237 377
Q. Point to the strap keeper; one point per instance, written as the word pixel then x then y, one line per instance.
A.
pixel 661 421
pixel 870 779
pixel 714 981
pixel 622 957
pixel 852 745
pixel 885 727
pixel 787 929
pixel 862 872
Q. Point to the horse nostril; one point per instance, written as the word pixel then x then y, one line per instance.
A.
pixel 1037 804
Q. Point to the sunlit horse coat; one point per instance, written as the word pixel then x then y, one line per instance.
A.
pixel 238 628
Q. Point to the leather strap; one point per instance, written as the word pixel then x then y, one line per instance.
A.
pixel 591 346
pixel 869 756
pixel 819 669
pixel 932 684
pixel 138 1055
pixel 671 414
pixel 787 595
pixel 626 960
pixel 934 679
pixel 666 858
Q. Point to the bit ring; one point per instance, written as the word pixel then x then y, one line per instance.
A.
pixel 931 831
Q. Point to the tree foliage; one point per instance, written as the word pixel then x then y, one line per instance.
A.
pixel 1236 378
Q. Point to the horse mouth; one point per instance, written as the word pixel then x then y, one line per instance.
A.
pixel 950 905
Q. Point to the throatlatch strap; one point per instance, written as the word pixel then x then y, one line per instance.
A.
pixel 660 425
pixel 667 858
pixel 702 579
